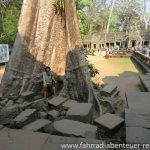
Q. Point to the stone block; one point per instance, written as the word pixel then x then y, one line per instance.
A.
pixel 40 104
pixel 139 102
pixel 69 127
pixel 138 135
pixel 20 101
pixel 8 113
pixel 57 101
pixel 25 117
pixel 135 120
pixel 27 105
pixel 81 112
pixel 108 90
pixel 43 115
pixel 21 140
pixel 37 125
pixel 53 114
pixel 27 96
pixel 9 103
pixel 68 104
pixel 109 121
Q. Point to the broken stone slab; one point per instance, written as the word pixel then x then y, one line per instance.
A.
pixel 1 127
pixel 27 105
pixel 37 125
pixel 25 117
pixel 13 97
pixel 69 127
pixel 145 80
pixel 4 102
pixel 29 140
pixel 37 97
pixel 40 104
pixel 43 115
pixel 27 96
pixel 136 120
pixel 81 112
pixel 144 77
pixel 8 113
pixel 53 114
pixel 109 121
pixel 138 135
pixel 139 102
pixel 57 101
pixel 147 85
pixel 108 90
pixel 68 104
pixel 11 139
pixel 148 74
pixel 20 101
pixel 9 103
pixel 55 143
pixel 63 113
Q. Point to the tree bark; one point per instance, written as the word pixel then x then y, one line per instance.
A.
pixel 110 15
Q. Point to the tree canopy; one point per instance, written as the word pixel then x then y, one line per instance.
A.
pixel 93 16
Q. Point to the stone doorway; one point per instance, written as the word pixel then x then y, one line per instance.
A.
pixel 133 43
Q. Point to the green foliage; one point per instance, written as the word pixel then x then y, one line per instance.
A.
pixel 83 18
pixel 83 23
pixel 60 6
pixel 89 52
pixel 93 71
pixel 9 21
pixel 81 4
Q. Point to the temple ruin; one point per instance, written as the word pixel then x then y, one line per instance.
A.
pixel 118 39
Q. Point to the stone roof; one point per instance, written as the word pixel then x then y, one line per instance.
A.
pixel 118 36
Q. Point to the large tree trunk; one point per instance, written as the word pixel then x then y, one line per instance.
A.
pixel 47 37
pixel 77 84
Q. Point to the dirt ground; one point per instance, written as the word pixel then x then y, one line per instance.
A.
pixel 119 71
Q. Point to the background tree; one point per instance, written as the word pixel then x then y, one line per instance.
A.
pixel 146 15
pixel 110 15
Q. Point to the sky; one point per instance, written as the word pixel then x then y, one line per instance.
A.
pixel 148 6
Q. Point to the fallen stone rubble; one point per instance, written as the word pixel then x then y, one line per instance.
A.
pixel 57 115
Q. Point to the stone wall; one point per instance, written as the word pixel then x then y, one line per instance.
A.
pixel 120 39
